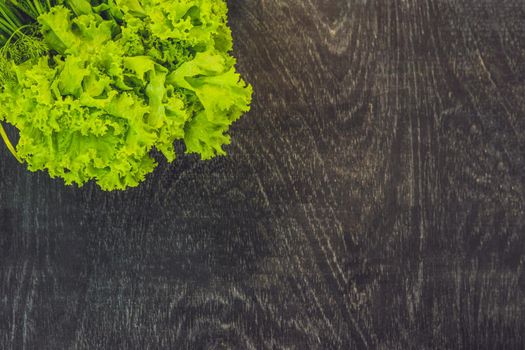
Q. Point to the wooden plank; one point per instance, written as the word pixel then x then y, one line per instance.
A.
pixel 373 198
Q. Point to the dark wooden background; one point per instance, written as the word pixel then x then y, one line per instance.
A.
pixel 373 198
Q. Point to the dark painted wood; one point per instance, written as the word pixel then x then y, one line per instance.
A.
pixel 373 198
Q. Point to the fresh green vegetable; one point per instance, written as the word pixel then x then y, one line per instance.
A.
pixel 94 86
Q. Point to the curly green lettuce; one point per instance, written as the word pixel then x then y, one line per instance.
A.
pixel 119 79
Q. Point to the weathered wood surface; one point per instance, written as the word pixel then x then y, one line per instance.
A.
pixel 373 198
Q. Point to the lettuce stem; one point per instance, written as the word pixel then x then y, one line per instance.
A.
pixel 8 143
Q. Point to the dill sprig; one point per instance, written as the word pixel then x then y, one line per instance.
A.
pixel 28 45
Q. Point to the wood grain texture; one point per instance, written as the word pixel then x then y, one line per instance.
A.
pixel 372 199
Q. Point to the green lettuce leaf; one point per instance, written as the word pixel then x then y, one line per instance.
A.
pixel 120 79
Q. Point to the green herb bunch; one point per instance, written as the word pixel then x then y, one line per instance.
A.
pixel 94 86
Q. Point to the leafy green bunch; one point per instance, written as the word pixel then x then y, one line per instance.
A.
pixel 94 86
